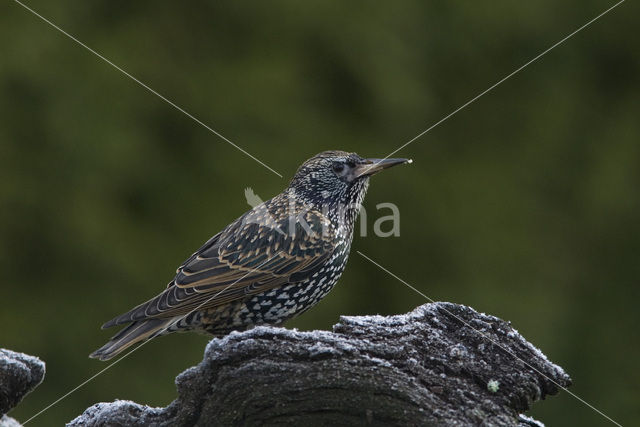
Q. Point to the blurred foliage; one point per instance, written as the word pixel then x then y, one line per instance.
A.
pixel 525 204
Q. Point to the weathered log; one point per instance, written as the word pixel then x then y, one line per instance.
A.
pixel 441 364
pixel 19 374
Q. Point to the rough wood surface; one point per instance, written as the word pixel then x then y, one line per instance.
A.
pixel 423 368
pixel 19 374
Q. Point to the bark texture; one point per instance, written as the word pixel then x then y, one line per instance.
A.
pixel 441 364
pixel 19 374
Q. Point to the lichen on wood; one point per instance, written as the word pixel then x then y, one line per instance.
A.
pixel 440 364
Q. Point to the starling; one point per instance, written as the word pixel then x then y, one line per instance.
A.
pixel 273 263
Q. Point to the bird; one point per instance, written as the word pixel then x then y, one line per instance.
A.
pixel 271 264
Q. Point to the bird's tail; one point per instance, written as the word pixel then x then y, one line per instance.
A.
pixel 136 332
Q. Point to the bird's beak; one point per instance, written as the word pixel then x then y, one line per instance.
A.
pixel 373 166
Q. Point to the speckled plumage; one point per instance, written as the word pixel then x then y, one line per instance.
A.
pixel 271 264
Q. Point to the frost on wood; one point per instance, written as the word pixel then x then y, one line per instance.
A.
pixel 19 374
pixel 425 367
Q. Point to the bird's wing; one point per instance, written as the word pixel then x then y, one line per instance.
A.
pixel 250 256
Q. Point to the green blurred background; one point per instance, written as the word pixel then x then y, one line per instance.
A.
pixel 524 205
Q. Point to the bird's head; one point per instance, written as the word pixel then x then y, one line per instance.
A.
pixel 337 177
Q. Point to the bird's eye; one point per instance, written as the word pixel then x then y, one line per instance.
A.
pixel 338 167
